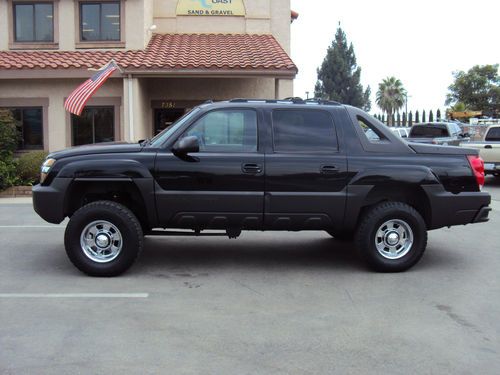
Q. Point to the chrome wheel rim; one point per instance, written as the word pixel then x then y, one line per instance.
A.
pixel 394 239
pixel 101 241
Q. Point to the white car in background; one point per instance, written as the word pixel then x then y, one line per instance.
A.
pixel 401 132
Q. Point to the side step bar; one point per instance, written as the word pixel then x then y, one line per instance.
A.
pixel 231 233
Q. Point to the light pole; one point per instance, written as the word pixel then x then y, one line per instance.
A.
pixel 307 94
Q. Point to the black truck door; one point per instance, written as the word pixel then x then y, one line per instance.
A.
pixel 306 171
pixel 222 185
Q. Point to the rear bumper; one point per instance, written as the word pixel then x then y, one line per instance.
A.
pixel 457 209
pixel 48 201
pixel 482 215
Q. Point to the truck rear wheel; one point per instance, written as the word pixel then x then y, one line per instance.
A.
pixel 392 237
pixel 103 238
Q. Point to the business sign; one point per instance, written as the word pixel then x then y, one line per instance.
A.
pixel 210 8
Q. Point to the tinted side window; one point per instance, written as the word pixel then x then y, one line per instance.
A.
pixel 226 131
pixel 303 131
pixel 370 131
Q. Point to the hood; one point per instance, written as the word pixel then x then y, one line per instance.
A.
pixel 98 148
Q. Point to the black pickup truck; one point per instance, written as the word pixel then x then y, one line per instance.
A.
pixel 261 165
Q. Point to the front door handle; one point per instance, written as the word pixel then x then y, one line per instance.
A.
pixel 488 146
pixel 251 168
pixel 328 169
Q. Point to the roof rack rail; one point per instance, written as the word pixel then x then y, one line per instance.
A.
pixel 290 100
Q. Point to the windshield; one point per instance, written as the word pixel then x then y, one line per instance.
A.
pixel 428 131
pixel 161 137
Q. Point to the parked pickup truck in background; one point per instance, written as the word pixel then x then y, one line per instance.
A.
pixel 263 165
pixel 489 149
pixel 437 133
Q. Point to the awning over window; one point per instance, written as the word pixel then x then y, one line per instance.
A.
pixel 170 54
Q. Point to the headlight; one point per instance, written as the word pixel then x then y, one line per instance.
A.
pixel 46 166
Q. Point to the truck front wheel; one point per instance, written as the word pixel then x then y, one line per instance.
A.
pixel 392 237
pixel 103 238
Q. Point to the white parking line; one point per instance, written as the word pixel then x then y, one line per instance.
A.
pixel 30 226
pixel 74 295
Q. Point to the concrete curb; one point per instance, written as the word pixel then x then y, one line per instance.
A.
pixel 16 200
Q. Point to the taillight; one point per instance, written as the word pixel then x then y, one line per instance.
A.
pixel 477 165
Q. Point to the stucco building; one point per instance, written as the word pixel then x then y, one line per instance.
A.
pixel 172 54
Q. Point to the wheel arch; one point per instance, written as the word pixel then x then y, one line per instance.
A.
pixel 389 183
pixel 132 193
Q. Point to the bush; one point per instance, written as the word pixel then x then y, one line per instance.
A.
pixel 8 173
pixel 28 167
pixel 9 135
pixel 8 143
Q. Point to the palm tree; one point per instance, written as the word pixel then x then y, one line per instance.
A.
pixel 390 97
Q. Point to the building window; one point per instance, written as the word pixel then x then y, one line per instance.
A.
pixel 33 22
pixel 30 126
pixel 95 125
pixel 100 21
pixel 303 131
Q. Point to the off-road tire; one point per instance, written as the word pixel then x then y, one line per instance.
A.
pixel 365 236
pixel 123 219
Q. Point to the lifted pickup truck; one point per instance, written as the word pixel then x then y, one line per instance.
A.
pixel 489 149
pixel 437 133
pixel 261 165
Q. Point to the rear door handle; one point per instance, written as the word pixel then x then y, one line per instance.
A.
pixel 488 146
pixel 251 168
pixel 328 169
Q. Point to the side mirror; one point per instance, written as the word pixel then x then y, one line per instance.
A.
pixel 186 145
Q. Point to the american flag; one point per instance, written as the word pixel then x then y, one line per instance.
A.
pixel 80 96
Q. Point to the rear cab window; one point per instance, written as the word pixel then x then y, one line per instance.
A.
pixel 429 131
pixel 303 130
pixel 493 135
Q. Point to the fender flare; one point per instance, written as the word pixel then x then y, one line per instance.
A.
pixel 118 170
pixel 386 176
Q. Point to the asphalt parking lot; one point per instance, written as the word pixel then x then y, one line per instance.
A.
pixel 266 303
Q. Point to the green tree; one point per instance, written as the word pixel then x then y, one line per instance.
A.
pixel 438 114
pixel 410 119
pixel 339 75
pixel 390 97
pixel 417 117
pixel 431 116
pixel 399 119
pixel 404 119
pixel 423 116
pixel 478 89
pixel 367 106
pixel 383 118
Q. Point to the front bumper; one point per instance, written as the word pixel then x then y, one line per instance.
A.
pixel 450 209
pixel 48 201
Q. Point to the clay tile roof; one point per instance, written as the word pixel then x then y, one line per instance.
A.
pixel 168 52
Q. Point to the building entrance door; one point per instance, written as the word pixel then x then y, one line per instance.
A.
pixel 164 117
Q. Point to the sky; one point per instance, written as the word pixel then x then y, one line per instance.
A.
pixel 420 42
